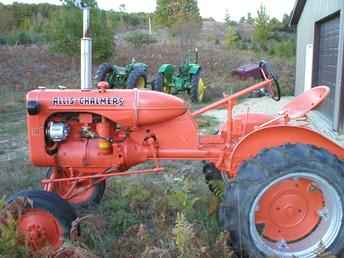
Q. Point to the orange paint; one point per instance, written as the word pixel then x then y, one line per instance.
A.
pixel 40 230
pixel 289 210
pixel 128 127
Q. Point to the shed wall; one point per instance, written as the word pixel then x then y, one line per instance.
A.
pixel 314 11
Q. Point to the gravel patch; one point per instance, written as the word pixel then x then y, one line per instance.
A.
pixel 268 106
pixel 264 105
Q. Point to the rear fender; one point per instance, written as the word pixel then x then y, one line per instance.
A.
pixel 195 69
pixel 167 69
pixel 275 136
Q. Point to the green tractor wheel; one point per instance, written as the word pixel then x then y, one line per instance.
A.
pixel 160 85
pixel 198 88
pixel 137 79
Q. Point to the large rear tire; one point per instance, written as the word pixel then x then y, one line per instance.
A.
pixel 103 72
pixel 47 222
pixel 286 202
pixel 158 84
pixel 137 79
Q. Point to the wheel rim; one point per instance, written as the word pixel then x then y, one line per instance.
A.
pixel 201 90
pixel 166 86
pixel 40 229
pixel 167 89
pixel 141 83
pixel 296 215
pixel 75 192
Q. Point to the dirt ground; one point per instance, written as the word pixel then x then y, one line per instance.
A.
pixel 254 105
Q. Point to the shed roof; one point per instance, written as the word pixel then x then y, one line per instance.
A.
pixel 297 12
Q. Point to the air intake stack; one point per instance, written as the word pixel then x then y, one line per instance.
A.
pixel 86 51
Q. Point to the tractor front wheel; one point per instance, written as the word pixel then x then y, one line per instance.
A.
pixel 80 194
pixel 198 88
pixel 287 202
pixel 213 179
pixel 137 79
pixel 44 226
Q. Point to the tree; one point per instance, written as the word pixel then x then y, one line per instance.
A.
pixel 263 28
pixel 227 17
pixel 170 12
pixel 228 20
pixel 285 24
pixel 231 37
pixel 122 8
pixel 250 19
pixel 80 3
pixel 65 31
pixel 275 24
pixel 182 17
pixel 7 19
pixel 242 19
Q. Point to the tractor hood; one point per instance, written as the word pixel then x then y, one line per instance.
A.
pixel 130 108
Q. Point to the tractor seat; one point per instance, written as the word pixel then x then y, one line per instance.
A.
pixel 305 102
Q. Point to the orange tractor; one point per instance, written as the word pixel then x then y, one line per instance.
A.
pixel 284 182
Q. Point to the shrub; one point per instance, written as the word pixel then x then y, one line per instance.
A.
pixel 3 39
pixel 21 38
pixel 139 39
pixel 231 37
pixel 285 48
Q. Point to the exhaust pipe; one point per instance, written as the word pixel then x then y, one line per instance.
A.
pixel 86 52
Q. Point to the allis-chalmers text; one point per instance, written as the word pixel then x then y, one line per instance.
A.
pixel 114 101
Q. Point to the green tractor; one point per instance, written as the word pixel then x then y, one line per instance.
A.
pixel 131 76
pixel 187 78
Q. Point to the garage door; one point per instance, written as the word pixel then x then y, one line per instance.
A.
pixel 327 59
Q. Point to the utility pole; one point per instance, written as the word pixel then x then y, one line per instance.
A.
pixel 149 25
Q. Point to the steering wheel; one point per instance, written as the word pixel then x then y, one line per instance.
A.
pixel 274 89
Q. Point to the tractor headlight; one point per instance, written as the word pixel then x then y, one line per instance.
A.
pixel 57 132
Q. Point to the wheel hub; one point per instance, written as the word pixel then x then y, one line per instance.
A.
pixel 141 83
pixel 40 229
pixel 36 236
pixel 289 210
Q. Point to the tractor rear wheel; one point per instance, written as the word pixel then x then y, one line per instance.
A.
pixel 286 202
pixel 80 194
pixel 47 223
pixel 158 84
pixel 137 79
pixel 197 88
pixel 103 72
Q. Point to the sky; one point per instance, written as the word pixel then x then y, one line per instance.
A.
pixel 208 8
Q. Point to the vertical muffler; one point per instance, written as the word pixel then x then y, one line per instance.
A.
pixel 86 51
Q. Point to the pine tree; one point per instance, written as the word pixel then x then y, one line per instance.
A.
pixel 170 12
pixel 231 37
pixel 263 29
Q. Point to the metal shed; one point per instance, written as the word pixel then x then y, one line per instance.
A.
pixel 320 54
